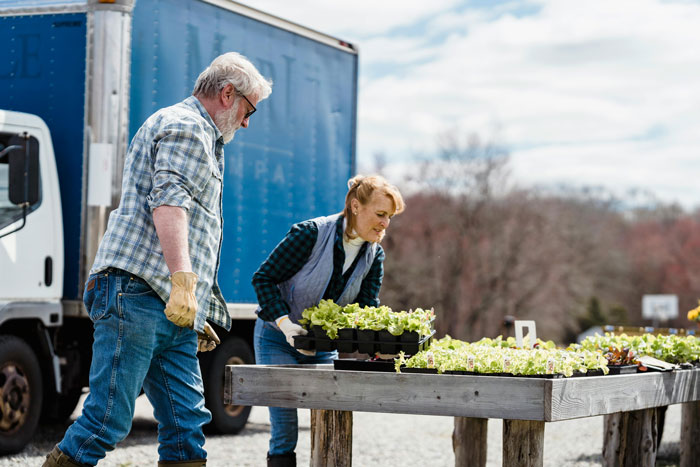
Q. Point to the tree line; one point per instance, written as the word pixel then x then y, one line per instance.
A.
pixel 479 249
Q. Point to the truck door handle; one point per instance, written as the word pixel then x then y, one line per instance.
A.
pixel 48 271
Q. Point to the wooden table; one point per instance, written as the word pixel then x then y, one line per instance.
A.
pixel 525 404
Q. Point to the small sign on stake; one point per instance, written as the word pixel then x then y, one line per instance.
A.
pixel 531 332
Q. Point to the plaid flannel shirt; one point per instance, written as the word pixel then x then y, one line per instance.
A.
pixel 175 159
pixel 290 255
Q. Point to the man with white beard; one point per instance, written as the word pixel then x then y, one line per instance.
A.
pixel 152 286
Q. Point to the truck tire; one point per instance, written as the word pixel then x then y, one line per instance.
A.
pixel 225 419
pixel 20 394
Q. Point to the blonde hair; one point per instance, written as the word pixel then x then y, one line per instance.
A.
pixel 361 188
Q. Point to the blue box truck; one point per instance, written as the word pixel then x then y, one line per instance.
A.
pixel 77 79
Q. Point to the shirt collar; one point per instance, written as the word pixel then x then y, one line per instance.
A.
pixel 194 102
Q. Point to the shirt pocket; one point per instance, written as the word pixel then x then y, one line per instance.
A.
pixel 209 197
pixel 95 296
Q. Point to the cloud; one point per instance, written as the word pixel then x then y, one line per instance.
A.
pixel 354 20
pixel 583 92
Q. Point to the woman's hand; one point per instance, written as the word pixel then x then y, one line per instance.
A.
pixel 290 329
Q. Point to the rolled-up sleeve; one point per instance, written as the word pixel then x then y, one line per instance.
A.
pixel 181 166
pixel 288 257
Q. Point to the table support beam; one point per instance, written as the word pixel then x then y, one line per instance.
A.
pixel 523 443
pixel 630 439
pixel 690 433
pixel 469 441
pixel 331 438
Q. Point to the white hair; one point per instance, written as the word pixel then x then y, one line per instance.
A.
pixel 232 68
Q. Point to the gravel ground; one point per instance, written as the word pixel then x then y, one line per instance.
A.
pixel 379 440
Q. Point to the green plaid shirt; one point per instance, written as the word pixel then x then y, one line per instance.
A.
pixel 290 255
pixel 175 159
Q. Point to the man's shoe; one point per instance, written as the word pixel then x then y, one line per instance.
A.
pixel 282 460
pixel 56 458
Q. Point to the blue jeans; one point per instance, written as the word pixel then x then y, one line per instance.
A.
pixel 271 348
pixel 136 346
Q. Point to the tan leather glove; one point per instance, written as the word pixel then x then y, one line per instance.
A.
pixel 182 304
pixel 208 340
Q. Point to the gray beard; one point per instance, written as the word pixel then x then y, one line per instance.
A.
pixel 225 122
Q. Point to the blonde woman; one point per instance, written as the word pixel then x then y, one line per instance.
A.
pixel 337 257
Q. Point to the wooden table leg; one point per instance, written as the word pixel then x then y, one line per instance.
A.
pixel 690 433
pixel 523 443
pixel 630 439
pixel 469 441
pixel 331 438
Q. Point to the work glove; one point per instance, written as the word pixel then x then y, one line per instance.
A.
pixel 182 304
pixel 290 330
pixel 208 340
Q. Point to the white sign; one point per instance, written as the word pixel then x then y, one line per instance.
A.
pixel 661 307
pixel 531 332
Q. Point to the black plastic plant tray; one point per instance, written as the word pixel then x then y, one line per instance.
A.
pixel 578 374
pixel 545 376
pixel 310 342
pixel 432 371
pixel 356 364
pixel 411 336
pixel 622 369
pixel 409 348
pixel 349 334
pixel 304 343
pixel 318 332
pixel 325 345
pixel 366 335
pixel 346 345
pixel 370 347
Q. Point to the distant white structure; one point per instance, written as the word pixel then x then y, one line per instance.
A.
pixel 660 307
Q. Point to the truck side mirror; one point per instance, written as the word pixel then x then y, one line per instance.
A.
pixel 24 171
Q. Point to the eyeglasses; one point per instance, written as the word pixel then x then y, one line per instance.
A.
pixel 250 112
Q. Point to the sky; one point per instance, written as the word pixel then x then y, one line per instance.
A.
pixel 593 93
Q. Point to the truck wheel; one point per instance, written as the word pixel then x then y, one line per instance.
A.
pixel 20 394
pixel 228 419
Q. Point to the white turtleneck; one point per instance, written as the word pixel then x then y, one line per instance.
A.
pixel 351 247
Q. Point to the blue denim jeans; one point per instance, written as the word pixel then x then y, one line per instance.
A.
pixel 136 346
pixel 271 348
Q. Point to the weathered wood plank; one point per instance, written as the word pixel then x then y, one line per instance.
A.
pixel 464 396
pixel 591 396
pixel 630 439
pixel 469 441
pixel 321 387
pixel 331 438
pixel 690 434
pixel 523 443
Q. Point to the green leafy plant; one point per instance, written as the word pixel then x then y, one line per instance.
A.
pixel 331 317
